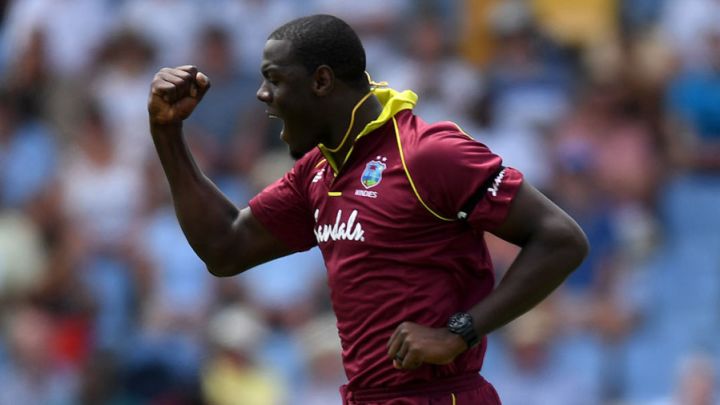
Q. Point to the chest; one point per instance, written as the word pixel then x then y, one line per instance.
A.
pixel 371 200
pixel 372 188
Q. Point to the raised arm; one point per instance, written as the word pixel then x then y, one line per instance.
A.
pixel 227 239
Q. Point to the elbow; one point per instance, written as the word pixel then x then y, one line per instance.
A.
pixel 580 244
pixel 568 241
pixel 221 259
pixel 221 271
pixel 575 243
pixel 225 268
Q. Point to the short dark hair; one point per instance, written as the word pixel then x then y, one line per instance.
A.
pixel 323 39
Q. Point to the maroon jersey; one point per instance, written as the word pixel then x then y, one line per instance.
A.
pixel 386 223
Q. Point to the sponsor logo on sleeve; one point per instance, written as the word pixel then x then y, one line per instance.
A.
pixel 496 183
pixel 318 176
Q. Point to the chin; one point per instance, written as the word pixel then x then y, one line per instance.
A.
pixel 296 155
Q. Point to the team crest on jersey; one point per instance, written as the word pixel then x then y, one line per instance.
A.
pixel 372 175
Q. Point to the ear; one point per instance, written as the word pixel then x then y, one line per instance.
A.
pixel 323 80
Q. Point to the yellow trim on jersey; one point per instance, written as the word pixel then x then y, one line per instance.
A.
pixel 461 130
pixel 334 193
pixel 453 398
pixel 407 173
pixel 374 84
pixel 393 102
pixel 332 164
pixel 352 121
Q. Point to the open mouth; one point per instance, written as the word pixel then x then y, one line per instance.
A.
pixel 277 117
pixel 272 115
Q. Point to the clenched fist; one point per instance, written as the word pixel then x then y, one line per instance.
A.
pixel 411 345
pixel 174 94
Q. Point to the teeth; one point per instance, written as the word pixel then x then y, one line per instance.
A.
pixel 273 116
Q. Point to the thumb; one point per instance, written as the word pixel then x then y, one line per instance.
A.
pixel 203 83
pixel 200 86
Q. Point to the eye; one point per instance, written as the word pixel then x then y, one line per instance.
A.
pixel 272 79
pixel 269 78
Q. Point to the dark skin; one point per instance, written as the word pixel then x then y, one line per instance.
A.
pixel 303 100
pixel 231 240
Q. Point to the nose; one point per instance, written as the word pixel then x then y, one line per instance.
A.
pixel 263 93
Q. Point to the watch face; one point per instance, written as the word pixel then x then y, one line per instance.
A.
pixel 462 324
pixel 458 321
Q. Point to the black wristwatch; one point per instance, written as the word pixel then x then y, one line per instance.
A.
pixel 461 324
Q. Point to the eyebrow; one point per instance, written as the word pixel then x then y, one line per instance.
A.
pixel 266 70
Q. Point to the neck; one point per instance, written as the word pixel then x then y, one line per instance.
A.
pixel 344 131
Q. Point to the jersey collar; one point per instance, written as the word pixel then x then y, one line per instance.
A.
pixel 393 102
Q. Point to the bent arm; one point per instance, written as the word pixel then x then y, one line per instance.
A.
pixel 553 245
pixel 227 239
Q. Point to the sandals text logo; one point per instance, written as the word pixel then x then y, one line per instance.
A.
pixel 348 230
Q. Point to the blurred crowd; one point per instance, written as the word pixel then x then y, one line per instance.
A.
pixel 611 107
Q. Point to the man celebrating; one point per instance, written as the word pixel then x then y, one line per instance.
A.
pixel 397 206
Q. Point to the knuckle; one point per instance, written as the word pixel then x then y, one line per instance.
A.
pixel 162 88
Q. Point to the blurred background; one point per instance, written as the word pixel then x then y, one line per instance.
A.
pixel 611 107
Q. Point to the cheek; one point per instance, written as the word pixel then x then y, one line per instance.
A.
pixel 294 100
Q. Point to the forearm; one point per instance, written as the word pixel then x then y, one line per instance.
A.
pixel 544 262
pixel 205 215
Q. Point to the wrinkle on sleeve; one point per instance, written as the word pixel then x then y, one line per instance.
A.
pixel 283 209
pixel 449 168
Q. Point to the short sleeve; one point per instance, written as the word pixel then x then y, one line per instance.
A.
pixel 283 209
pixel 450 169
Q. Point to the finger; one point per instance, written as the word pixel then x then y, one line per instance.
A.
pixel 163 89
pixel 193 90
pixel 399 357
pixel 188 73
pixel 191 70
pixel 203 84
pixel 411 361
pixel 394 344
pixel 175 76
pixel 180 79
pixel 394 336
pixel 404 348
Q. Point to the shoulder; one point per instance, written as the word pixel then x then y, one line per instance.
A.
pixel 444 165
pixel 437 145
